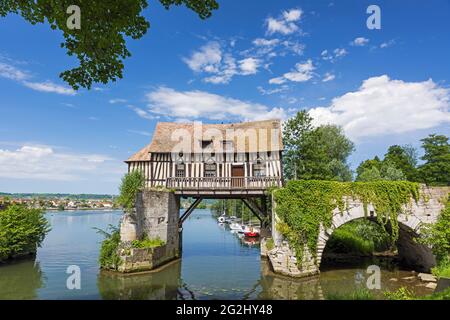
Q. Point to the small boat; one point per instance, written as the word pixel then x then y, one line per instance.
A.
pixel 251 232
pixel 221 219
pixel 235 226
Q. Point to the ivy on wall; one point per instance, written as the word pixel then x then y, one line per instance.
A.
pixel 303 206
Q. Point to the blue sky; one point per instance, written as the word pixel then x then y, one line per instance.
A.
pixel 250 60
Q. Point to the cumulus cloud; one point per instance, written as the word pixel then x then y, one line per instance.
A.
pixel 284 24
pixel 334 55
pixel 200 104
pixel 45 163
pixel 360 42
pixel 384 106
pixel 249 66
pixel 301 73
pixel 220 66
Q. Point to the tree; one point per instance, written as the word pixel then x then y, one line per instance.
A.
pixel 436 169
pixel 367 167
pixel 404 159
pixel 384 171
pixel 315 153
pixel 100 42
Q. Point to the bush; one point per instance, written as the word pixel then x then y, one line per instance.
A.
pixel 438 237
pixel 147 243
pixel 109 258
pixel 22 230
pixel 132 183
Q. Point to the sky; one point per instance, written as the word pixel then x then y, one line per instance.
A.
pixel 250 60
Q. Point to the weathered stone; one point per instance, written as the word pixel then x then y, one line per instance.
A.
pixel 426 277
pixel 431 285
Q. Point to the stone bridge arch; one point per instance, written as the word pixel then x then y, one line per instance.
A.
pixel 420 257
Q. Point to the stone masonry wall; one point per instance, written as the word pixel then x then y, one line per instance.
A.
pixel 426 210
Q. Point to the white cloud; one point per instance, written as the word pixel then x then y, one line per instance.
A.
pixel 49 86
pixel 334 55
pixel 249 66
pixel 360 42
pixel 200 104
pixel 206 59
pixel 46 163
pixel 117 100
pixel 340 52
pixel 261 42
pixel 286 23
pixel 142 113
pixel 10 72
pixel 220 66
pixel 280 89
pixel 301 73
pixel 383 106
pixel 328 77
pixel 387 44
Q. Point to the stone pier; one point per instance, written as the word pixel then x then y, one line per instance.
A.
pixel 156 216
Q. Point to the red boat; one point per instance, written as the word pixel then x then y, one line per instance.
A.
pixel 252 233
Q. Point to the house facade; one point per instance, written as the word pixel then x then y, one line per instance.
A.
pixel 196 156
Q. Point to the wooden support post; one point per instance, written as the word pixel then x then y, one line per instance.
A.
pixel 188 212
pixel 252 208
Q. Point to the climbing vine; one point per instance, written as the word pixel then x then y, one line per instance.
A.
pixel 303 206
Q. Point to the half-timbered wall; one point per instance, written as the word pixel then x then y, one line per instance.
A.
pixel 164 165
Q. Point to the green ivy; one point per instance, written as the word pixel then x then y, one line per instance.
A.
pixel 303 206
pixel 147 243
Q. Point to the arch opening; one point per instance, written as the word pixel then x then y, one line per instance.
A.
pixel 363 241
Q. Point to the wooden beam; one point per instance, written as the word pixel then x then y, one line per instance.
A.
pixel 252 209
pixel 188 212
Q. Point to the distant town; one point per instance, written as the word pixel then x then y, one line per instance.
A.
pixel 49 201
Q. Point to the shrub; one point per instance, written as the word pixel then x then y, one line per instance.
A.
pixel 22 230
pixel 132 183
pixel 109 258
pixel 147 243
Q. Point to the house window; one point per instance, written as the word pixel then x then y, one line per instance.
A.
pixel 259 169
pixel 180 171
pixel 210 170
pixel 227 145
pixel 206 144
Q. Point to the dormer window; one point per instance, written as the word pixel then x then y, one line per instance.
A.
pixel 206 144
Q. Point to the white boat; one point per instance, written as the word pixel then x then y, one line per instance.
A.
pixel 235 226
pixel 221 219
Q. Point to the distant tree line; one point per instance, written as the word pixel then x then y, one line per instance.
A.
pixel 322 152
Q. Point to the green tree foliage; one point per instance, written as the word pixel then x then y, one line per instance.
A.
pixel 436 169
pixel 315 153
pixel 22 230
pixel 132 183
pixel 403 159
pixel 100 44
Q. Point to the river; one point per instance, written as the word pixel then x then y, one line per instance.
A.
pixel 216 264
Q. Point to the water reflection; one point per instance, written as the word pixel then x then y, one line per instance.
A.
pixel 21 279
pixel 159 285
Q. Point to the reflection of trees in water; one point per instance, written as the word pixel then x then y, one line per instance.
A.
pixel 20 280
pixel 283 288
pixel 160 285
